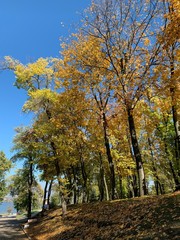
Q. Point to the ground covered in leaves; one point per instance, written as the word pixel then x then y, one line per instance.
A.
pixel 146 218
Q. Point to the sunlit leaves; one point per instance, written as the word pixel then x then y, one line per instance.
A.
pixel 5 166
pixel 171 32
pixel 39 99
pixel 39 74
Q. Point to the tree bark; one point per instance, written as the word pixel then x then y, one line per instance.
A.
pixel 106 188
pixel 64 205
pixel 49 193
pixel 84 176
pixel 131 193
pixel 30 182
pixel 109 157
pixel 74 185
pixel 120 187
pixel 44 197
pixel 155 173
pixel 175 116
pixel 175 177
pixel 137 154
pixel 133 186
pixel 132 178
pixel 101 180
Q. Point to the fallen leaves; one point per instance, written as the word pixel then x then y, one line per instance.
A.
pixel 147 218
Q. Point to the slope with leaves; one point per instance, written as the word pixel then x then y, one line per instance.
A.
pixel 139 218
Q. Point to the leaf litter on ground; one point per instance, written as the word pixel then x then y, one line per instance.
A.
pixel 146 218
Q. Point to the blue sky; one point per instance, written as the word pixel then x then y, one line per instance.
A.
pixel 30 29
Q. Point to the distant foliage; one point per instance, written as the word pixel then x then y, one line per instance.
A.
pixel 5 166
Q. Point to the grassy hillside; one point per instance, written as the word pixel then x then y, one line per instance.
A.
pixel 146 218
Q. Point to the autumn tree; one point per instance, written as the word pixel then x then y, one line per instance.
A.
pixel 19 189
pixel 34 77
pixel 87 52
pixel 159 122
pixel 169 70
pixel 5 165
pixel 119 53
pixel 24 150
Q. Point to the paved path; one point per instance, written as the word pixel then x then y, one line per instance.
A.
pixel 10 229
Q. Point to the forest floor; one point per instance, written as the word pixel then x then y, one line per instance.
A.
pixel 145 218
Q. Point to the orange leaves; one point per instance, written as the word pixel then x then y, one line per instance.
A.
pixel 146 41
pixel 81 59
pixel 172 33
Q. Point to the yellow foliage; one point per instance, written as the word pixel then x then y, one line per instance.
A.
pixel 172 31
pixel 33 75
pixel 146 41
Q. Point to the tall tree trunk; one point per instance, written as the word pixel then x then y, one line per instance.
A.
pixel 101 180
pixel 106 188
pixel 57 167
pixel 133 178
pixel 137 154
pixel 155 173
pixel 74 185
pixel 120 187
pixel 44 196
pixel 175 116
pixel 64 205
pixel 175 177
pixel 62 197
pixel 109 157
pixel 130 187
pixel 133 186
pixel 102 104
pixel 30 182
pixel 84 176
pixel 49 193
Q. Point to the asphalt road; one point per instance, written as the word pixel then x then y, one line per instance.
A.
pixel 10 229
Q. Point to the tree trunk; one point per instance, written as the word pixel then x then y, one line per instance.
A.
pixel 30 182
pixel 63 200
pixel 132 180
pixel 44 197
pixel 120 187
pixel 130 187
pixel 106 188
pixel 49 193
pixel 155 174
pixel 101 180
pixel 137 154
pixel 84 176
pixel 109 157
pixel 135 185
pixel 64 205
pixel 74 185
pixel 57 167
pixel 175 177
pixel 175 117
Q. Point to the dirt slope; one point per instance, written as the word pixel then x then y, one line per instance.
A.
pixel 140 218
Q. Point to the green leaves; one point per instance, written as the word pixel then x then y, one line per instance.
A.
pixel 5 166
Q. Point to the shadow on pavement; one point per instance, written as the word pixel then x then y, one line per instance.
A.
pixel 10 228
